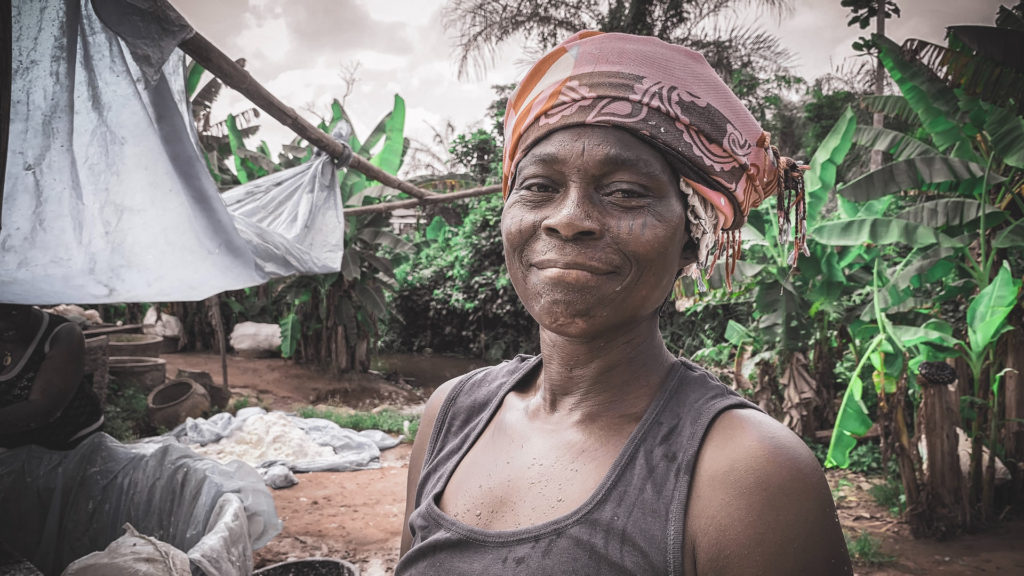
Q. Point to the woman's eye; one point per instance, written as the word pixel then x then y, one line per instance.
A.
pixel 626 194
pixel 539 187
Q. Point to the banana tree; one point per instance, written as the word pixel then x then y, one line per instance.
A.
pixel 944 209
pixel 333 317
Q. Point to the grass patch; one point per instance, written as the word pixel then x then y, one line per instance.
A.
pixel 890 495
pixel 387 420
pixel 246 402
pixel 866 549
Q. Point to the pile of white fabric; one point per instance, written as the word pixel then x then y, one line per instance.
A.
pixel 278 443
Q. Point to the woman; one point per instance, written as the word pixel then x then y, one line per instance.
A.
pixel 627 162
pixel 44 399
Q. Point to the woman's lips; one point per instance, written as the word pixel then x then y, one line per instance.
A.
pixel 570 270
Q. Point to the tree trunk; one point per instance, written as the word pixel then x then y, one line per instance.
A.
pixel 878 120
pixel 895 425
pixel 341 352
pixel 1013 428
pixel 361 354
pixel 944 486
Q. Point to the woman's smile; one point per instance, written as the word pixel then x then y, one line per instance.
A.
pixel 593 229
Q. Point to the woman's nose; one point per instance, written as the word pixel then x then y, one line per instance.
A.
pixel 573 217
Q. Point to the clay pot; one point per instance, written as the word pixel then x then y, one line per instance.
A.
pixel 138 372
pixel 310 567
pixel 170 344
pixel 219 394
pixel 170 403
pixel 145 345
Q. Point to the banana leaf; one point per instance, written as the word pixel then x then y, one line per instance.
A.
pixel 391 128
pixel 784 313
pixel 913 174
pixel 350 264
pixel 914 335
pixel 946 212
pixel 927 267
pixel 389 158
pixel 736 333
pixel 1002 45
pixel 372 298
pixel 436 228
pixel 1012 237
pixel 382 237
pixel 894 106
pixel 195 73
pixel 878 231
pixel 291 331
pixel 235 139
pixel 1007 18
pixel 900 145
pixel 986 315
pixel 934 102
pixel 821 178
pixel 851 421
pixel 1006 134
pixel 744 271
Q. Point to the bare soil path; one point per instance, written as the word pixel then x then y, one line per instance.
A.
pixel 357 516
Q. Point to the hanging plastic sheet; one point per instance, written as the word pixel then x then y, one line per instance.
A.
pixel 107 197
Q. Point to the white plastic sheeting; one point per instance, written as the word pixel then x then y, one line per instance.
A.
pixel 60 506
pixel 264 440
pixel 107 197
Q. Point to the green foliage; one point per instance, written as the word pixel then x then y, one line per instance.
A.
pixel 386 420
pixel 246 402
pixel 124 414
pixel 867 549
pixel 478 154
pixel 455 295
pixel 890 495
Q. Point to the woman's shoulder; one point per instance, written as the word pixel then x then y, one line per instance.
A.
pixel 752 463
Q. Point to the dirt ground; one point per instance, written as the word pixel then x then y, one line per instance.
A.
pixel 357 516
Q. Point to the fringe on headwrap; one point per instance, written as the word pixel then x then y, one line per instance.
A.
pixel 713 243
pixel 791 199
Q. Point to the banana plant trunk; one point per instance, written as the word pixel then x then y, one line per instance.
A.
pixel 894 422
pixel 1013 430
pixel 944 487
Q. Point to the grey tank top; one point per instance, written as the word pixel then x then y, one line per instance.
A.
pixel 631 524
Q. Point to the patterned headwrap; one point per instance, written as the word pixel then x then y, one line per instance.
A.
pixel 671 98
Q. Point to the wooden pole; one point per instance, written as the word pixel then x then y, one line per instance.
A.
pixel 224 68
pixel 218 324
pixel 435 199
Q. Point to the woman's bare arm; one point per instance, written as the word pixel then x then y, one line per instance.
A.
pixel 760 504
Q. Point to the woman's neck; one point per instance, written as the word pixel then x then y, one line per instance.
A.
pixel 618 375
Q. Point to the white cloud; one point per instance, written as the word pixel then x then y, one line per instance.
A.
pixel 298 48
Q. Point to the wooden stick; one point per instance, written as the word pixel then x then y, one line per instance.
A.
pixel 218 324
pixel 434 199
pixel 224 68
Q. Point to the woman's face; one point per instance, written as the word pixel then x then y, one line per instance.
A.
pixel 594 231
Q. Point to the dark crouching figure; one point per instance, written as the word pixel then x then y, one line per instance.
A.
pixel 44 398
pixel 627 163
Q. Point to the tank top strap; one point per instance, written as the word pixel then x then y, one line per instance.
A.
pixel 464 414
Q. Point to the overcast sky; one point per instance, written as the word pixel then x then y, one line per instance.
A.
pixel 298 49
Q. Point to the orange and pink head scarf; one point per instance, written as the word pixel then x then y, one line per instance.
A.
pixel 670 97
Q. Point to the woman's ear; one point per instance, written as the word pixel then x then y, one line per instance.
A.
pixel 688 255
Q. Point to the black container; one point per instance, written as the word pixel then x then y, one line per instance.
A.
pixel 310 567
